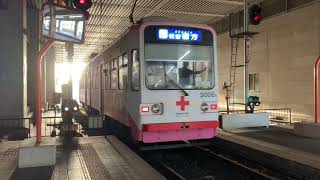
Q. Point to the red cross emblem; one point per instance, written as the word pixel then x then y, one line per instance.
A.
pixel 182 103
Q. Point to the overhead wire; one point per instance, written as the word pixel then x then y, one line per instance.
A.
pixel 132 11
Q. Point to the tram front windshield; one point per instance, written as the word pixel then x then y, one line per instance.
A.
pixel 178 66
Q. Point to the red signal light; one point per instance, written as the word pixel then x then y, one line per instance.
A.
pixel 82 4
pixel 257 18
pixel 255 14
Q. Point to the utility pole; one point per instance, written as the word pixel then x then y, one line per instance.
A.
pixel 245 53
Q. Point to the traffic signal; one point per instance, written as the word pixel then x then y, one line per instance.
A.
pixel 251 103
pixel 255 14
pixel 82 4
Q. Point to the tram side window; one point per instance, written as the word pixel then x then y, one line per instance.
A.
pixel 93 77
pixel 83 82
pixel 114 63
pixel 123 72
pixel 89 85
pixel 135 76
pixel 107 76
pixel 114 74
pixel 82 79
pixel 98 77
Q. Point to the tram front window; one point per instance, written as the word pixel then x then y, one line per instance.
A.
pixel 176 66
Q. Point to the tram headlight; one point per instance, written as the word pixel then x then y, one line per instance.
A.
pixel 75 108
pixel 204 107
pixel 66 109
pixel 155 108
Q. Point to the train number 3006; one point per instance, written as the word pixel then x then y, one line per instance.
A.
pixel 208 94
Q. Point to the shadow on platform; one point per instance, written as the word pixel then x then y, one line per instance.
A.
pixel 43 173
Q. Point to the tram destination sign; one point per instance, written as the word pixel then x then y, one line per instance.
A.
pixel 178 35
pixel 165 34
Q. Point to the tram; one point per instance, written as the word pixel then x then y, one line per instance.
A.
pixel 160 79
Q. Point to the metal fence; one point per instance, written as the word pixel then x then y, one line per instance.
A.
pixel 15 128
pixel 278 115
pixel 282 115
pixel 21 128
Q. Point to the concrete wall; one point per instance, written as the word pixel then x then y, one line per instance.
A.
pixel 283 53
pixel 13 59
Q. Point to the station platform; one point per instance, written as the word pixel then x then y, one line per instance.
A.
pixel 276 147
pixel 82 158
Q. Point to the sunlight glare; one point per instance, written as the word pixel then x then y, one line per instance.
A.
pixel 62 76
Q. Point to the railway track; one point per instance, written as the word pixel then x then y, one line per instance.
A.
pixel 256 171
pixel 167 171
pixel 195 161
pixel 199 162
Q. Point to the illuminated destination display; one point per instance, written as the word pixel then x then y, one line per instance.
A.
pixel 179 35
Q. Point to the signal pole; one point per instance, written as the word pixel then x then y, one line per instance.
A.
pixel 245 53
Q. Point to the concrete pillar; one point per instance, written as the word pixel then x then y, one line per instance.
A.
pixel 33 48
pixel 49 76
pixel 13 59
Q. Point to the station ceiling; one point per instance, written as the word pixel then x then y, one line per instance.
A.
pixel 110 19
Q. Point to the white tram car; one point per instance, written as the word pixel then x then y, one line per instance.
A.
pixel 160 79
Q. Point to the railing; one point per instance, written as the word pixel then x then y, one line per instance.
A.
pixel 275 115
pixel 21 128
pixel 15 128
pixel 278 115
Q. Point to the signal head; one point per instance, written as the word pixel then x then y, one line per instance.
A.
pixel 82 4
pixel 255 14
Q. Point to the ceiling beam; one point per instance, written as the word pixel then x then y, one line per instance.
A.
pixel 121 6
pixel 106 26
pixel 239 3
pixel 107 16
pixel 193 13
pixel 77 46
pixel 157 7
pixel 82 51
pixel 104 31
pixel 62 46
pixel 100 37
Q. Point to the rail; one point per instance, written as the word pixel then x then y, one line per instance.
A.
pixel 254 169
pixel 282 115
pixel 13 128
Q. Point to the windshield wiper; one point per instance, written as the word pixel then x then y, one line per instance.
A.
pixel 174 82
pixel 180 88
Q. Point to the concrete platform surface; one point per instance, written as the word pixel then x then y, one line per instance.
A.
pixel 307 129
pixel 36 156
pixel 245 120
pixel 79 159
pixel 280 142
